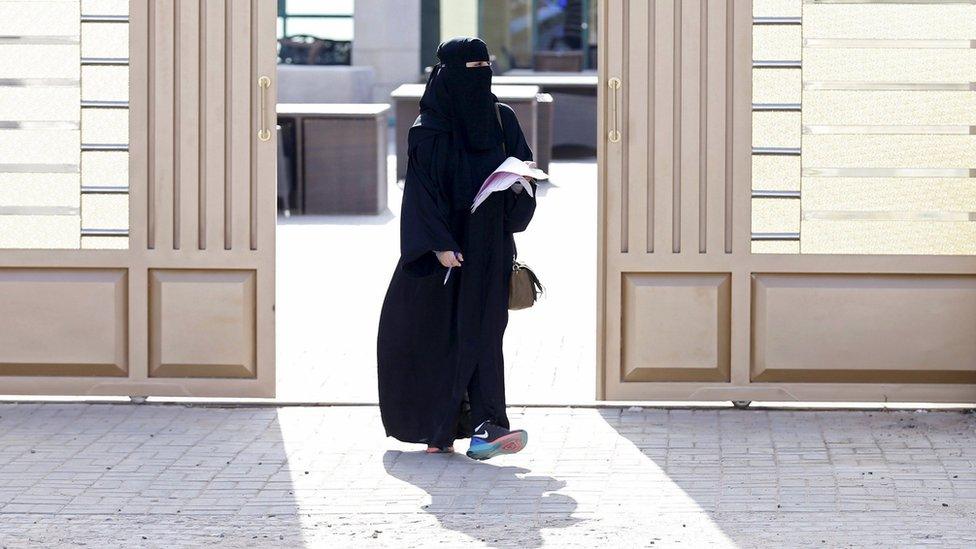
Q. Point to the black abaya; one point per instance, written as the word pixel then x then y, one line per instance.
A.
pixel 439 349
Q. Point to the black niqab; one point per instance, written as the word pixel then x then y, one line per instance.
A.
pixel 462 95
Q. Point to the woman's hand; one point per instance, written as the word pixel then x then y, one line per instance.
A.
pixel 449 258
pixel 532 165
pixel 519 187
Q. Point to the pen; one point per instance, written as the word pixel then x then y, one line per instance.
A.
pixel 448 275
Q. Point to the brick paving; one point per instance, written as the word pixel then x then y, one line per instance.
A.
pixel 107 475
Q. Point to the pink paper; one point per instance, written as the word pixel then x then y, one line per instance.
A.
pixel 510 172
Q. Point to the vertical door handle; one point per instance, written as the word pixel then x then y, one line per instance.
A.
pixel 264 134
pixel 613 135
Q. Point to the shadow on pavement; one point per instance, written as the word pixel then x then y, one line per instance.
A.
pixel 783 478
pixel 497 505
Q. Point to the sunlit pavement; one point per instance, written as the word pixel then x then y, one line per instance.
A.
pixel 332 273
pixel 172 476
pixel 110 475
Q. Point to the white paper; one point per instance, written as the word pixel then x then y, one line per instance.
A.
pixel 510 172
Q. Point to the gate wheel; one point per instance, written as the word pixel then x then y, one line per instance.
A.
pixel 741 404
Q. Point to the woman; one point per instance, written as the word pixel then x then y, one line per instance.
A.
pixel 440 361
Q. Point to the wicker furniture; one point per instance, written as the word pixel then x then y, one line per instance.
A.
pixel 340 156
pixel 543 155
pixel 304 49
pixel 557 60
pixel 574 97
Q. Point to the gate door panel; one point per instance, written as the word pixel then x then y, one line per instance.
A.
pixel 787 201
pixel 137 205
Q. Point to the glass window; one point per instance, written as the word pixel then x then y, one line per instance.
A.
pixel 545 35
pixel 507 27
pixel 559 25
pixel 329 29
pixel 321 7
pixel 328 19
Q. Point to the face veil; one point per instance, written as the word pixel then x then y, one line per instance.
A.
pixel 463 94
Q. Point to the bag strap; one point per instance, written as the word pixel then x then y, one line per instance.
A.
pixel 498 115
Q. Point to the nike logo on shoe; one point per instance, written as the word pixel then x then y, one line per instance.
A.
pixel 481 435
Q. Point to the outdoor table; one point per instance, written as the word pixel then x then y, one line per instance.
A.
pixel 543 155
pixel 574 96
pixel 406 99
pixel 558 60
pixel 340 156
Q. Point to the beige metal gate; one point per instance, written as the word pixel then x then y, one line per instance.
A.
pixel 688 307
pixel 181 300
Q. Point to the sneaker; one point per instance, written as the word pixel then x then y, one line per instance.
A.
pixel 490 440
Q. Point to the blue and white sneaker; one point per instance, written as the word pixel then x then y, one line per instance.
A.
pixel 490 440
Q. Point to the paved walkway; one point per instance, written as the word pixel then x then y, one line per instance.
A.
pixel 333 272
pixel 174 476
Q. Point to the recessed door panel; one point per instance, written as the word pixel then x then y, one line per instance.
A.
pixel 63 322
pixel 202 323
pixel 864 328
